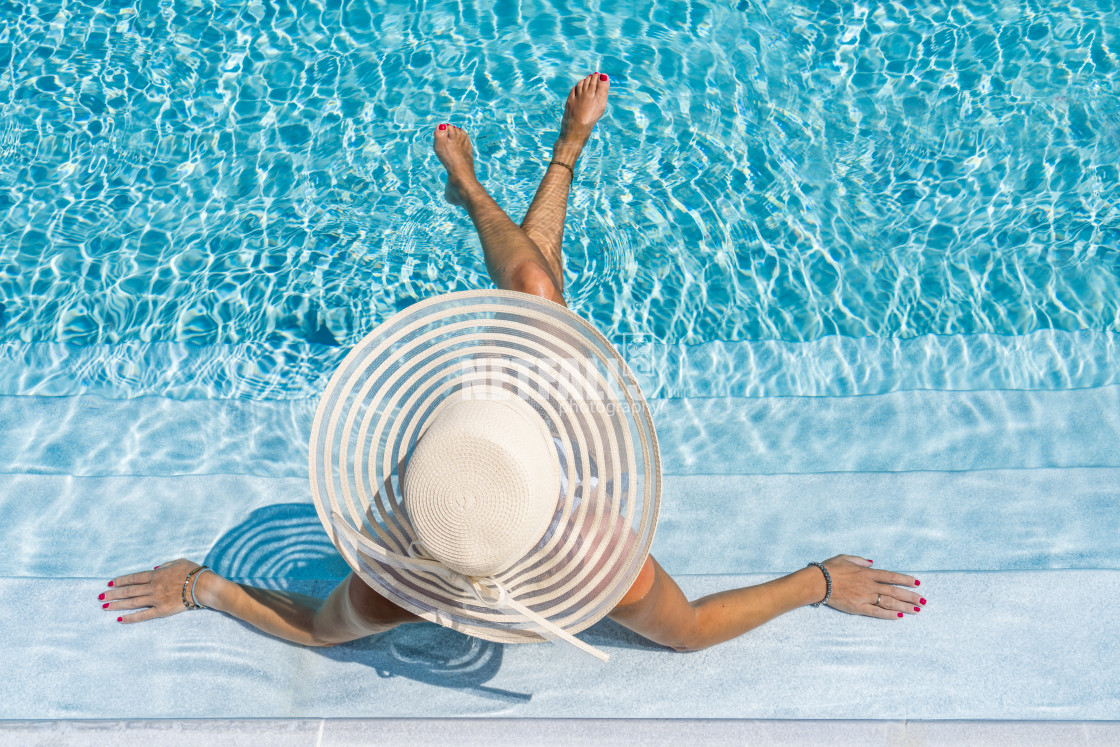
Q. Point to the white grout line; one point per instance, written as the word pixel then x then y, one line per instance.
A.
pixel 322 728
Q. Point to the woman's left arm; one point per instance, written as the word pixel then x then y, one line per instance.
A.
pixel 294 617
pixel 657 608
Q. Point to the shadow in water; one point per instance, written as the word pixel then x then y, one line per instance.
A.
pixel 284 547
pixel 435 655
pixel 276 544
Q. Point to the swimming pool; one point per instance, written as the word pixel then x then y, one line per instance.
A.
pixel 227 172
pixel 863 258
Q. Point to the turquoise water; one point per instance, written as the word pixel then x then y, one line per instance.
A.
pixel 262 172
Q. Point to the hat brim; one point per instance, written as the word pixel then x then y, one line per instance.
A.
pixel 488 343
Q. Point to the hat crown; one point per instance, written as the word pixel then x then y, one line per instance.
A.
pixel 482 484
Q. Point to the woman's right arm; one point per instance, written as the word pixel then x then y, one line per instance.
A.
pixel 294 617
pixel 664 615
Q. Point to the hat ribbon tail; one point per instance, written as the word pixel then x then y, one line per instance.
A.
pixel 542 625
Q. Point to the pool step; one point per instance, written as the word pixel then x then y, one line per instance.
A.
pixel 848 366
pixel 251 526
pixel 901 431
pixel 1008 645
pixel 831 366
pixel 91 435
pixel 896 432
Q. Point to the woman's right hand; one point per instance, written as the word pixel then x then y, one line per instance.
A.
pixel 859 589
pixel 156 593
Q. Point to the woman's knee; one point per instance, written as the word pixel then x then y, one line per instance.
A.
pixel 529 277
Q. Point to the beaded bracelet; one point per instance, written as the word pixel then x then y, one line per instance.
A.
pixel 561 163
pixel 827 584
pixel 192 605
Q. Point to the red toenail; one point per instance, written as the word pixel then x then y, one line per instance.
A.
pixel 121 618
pixel 922 601
pixel 603 78
pixel 100 596
pixel 443 127
pixel 110 583
pixel 900 614
pixel 105 606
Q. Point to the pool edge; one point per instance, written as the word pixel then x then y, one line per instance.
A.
pixel 488 731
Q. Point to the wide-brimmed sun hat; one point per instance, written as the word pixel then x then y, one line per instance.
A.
pixel 486 460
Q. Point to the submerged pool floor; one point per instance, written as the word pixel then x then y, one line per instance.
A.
pixel 1002 501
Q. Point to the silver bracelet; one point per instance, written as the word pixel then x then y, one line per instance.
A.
pixel 193 604
pixel 204 569
pixel 827 584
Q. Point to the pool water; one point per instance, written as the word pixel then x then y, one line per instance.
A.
pixel 238 172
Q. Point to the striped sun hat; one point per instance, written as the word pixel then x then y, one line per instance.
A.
pixel 486 460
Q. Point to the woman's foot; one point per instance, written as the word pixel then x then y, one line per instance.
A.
pixel 453 148
pixel 586 103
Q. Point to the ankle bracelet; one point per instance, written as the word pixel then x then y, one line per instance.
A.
pixel 561 163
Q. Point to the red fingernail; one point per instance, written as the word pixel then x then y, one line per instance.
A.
pixel 869 561
pixel 917 609
pixel 105 606
pixel 443 127
pixel 900 614
pixel 603 78
pixel 100 596
pixel 110 583
pixel 156 568
pixel 917 582
pixel 922 601
pixel 120 619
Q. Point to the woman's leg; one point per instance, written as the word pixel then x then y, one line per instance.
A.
pixel 512 259
pixel 526 258
pixel 544 221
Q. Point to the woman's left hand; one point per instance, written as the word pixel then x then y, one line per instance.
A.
pixel 160 591
pixel 859 589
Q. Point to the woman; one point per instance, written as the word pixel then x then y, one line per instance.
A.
pixel 525 259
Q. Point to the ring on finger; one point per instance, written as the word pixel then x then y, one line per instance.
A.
pixel 878 598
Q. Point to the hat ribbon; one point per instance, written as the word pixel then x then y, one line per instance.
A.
pixel 496 598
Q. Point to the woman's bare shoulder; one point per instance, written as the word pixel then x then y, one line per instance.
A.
pixel 659 610
pixel 642 584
